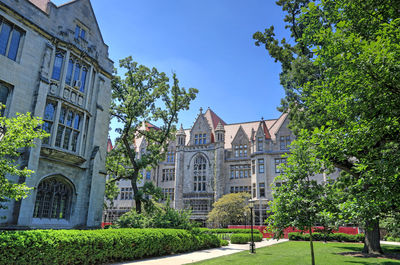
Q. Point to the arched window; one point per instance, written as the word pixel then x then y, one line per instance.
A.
pixel 200 165
pixel 53 199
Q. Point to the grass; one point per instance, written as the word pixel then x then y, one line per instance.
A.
pixel 299 253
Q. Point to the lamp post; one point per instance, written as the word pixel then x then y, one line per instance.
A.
pixel 245 220
pixel 252 245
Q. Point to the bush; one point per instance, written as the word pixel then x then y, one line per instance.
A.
pixel 97 246
pixel 245 238
pixel 393 239
pixel 224 242
pixel 231 231
pixel 162 216
pixel 340 237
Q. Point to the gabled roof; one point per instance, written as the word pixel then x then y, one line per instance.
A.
pixel 91 9
pixel 213 119
pixel 41 4
pixel 265 130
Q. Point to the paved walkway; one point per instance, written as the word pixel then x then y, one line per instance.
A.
pixel 390 243
pixel 200 255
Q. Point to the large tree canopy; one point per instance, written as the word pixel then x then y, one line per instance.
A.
pixel 143 96
pixel 230 209
pixel 342 81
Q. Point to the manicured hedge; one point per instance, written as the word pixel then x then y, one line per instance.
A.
pixel 340 237
pixel 97 246
pixel 245 238
pixel 227 230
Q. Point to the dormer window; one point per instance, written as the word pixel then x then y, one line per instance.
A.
pixel 285 141
pixel 80 32
pixel 200 138
pixel 259 144
pixel 241 150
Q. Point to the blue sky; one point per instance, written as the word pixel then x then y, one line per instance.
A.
pixel 208 44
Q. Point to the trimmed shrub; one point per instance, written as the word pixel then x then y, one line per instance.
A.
pixel 245 238
pixel 229 231
pixel 340 237
pixel 224 242
pixel 97 246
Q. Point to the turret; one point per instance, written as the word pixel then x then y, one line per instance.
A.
pixel 220 133
pixel 181 137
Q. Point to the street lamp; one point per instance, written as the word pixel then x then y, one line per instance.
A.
pixel 252 245
pixel 245 220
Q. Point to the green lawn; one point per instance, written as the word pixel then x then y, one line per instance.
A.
pixel 297 253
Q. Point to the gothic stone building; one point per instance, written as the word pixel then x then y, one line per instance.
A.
pixel 214 158
pixel 54 64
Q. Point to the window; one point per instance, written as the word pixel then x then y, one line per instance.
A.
pixel 285 142
pixel 259 144
pixel 168 192
pixel 199 183
pixel 4 94
pixel 278 162
pixel 76 73
pixel 260 165
pixel 241 150
pixel 148 175
pixel 254 190
pixel 240 171
pixel 262 189
pixel 48 119
pixel 253 166
pixel 57 66
pixel 171 156
pixel 200 138
pixel 79 32
pixel 10 38
pixel 69 126
pixel 53 199
pixel 168 174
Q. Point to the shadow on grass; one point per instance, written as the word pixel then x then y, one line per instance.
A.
pixel 390 252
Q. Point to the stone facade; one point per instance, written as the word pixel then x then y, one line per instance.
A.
pixel 55 65
pixel 214 158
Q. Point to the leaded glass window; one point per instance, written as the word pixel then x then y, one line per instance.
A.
pixel 53 199
pixel 200 165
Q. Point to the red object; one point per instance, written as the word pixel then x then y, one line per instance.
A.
pixel 104 224
pixel 263 230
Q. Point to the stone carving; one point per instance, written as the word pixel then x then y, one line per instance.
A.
pixel 80 101
pixel 53 88
pixel 45 69
pixel 73 97
pixel 66 93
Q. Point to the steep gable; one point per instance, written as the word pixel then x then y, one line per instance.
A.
pixel 240 137
pixel 202 126
pixel 213 119
pixel 85 13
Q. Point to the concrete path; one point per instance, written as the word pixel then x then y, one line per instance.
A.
pixel 390 243
pixel 200 255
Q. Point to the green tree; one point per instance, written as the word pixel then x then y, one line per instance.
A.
pixel 301 201
pixel 341 79
pixel 230 209
pixel 142 96
pixel 16 133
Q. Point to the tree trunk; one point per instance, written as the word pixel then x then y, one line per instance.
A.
pixel 312 248
pixel 138 201
pixel 372 243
